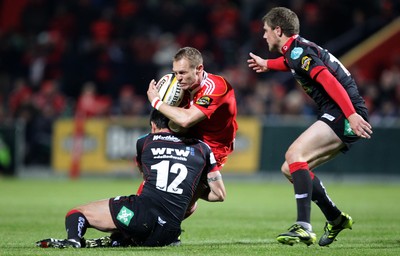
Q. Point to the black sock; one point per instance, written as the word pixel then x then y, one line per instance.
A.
pixel 321 198
pixel 303 189
pixel 76 225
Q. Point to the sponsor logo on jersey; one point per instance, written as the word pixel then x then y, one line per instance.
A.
pixel 296 52
pixel 125 216
pixel 191 150
pixel 204 101
pixel 171 153
pixel 305 63
pixel 167 138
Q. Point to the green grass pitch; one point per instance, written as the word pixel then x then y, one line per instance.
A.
pixel 247 223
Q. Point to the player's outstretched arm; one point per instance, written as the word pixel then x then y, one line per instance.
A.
pixel 217 187
pixel 257 63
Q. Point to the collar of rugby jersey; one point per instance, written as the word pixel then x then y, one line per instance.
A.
pixel 286 46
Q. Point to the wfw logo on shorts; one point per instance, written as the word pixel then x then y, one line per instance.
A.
pixel 125 215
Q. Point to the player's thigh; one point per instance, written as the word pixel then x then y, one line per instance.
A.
pixel 319 141
pixel 98 215
pixel 323 159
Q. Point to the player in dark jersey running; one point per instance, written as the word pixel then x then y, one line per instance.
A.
pixel 172 167
pixel 342 120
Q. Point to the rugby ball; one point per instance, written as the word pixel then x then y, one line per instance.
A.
pixel 169 90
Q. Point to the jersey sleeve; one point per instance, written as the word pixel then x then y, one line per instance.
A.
pixel 277 64
pixel 336 91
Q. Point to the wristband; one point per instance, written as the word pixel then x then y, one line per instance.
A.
pixel 156 103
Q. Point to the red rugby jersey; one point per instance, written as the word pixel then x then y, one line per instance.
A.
pixel 215 97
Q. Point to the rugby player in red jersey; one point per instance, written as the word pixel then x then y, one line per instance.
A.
pixel 208 111
pixel 342 120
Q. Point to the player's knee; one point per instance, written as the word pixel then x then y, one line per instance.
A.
pixel 289 156
pixel 293 155
pixel 285 171
pixel 285 168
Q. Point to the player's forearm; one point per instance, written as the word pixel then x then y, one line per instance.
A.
pixel 180 116
pixel 217 188
pixel 214 197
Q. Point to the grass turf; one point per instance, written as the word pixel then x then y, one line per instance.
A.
pixel 247 223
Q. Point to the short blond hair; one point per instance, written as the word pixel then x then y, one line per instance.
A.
pixel 191 54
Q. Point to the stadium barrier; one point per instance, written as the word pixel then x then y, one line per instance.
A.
pixel 109 147
pixel 375 156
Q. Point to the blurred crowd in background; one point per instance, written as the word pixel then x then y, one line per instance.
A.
pixel 97 57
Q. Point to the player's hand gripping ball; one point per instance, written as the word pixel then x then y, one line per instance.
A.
pixel 170 90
